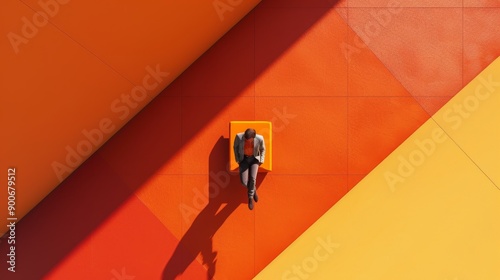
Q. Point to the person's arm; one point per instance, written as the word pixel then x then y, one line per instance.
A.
pixel 262 151
pixel 235 148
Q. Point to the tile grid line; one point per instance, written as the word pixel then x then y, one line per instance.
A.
pixel 368 7
pixel 274 174
pixel 463 35
pixel 254 116
pixel 466 154
pixel 181 120
pixel 348 95
pixel 325 96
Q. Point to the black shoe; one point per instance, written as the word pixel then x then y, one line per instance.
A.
pixel 250 203
pixel 256 197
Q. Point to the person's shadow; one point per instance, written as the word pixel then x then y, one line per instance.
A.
pixel 223 188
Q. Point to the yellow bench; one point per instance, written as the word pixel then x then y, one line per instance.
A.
pixel 263 128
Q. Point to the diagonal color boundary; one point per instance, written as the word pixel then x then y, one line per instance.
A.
pixel 434 178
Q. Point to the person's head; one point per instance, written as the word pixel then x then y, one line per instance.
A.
pixel 250 133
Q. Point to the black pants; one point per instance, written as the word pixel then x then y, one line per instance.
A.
pixel 248 173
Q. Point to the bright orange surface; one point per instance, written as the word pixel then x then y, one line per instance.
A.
pixel 333 121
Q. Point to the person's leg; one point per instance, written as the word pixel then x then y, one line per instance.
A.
pixel 243 168
pixel 252 178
